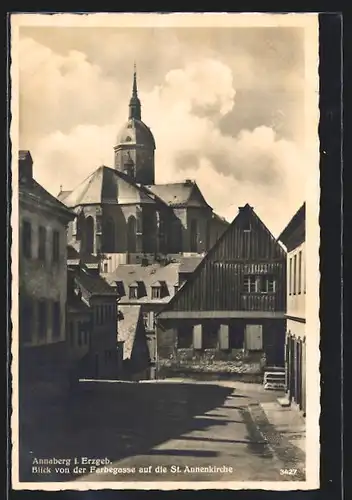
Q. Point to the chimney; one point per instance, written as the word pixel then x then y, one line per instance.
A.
pixel 145 261
pixel 25 166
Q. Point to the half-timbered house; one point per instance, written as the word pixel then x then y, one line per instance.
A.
pixel 232 308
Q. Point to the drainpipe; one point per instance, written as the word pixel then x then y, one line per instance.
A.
pixel 156 349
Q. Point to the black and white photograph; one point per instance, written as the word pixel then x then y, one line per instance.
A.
pixel 165 251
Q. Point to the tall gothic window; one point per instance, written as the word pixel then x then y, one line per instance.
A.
pixel 89 235
pixel 194 236
pixel 131 234
pixel 149 231
pixel 109 236
pixel 176 235
pixel 162 235
pixel 80 225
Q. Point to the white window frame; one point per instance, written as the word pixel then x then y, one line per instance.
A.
pixel 133 295
pixel 250 279
pixel 158 289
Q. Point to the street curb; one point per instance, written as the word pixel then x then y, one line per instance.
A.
pixel 291 456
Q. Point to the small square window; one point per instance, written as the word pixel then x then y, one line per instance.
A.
pixel 249 284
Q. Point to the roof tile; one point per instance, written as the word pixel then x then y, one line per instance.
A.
pixel 107 185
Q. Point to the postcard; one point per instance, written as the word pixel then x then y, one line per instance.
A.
pixel 165 251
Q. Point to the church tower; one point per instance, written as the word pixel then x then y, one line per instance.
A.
pixel 135 145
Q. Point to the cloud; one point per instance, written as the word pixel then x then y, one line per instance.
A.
pixel 72 109
pixel 61 92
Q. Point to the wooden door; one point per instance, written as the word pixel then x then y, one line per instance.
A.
pixel 254 337
pixel 224 337
pixel 197 337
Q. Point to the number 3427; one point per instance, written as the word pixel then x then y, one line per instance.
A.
pixel 288 472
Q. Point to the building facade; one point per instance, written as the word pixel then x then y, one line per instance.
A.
pixel 293 237
pixel 149 287
pixel 43 220
pixel 123 216
pixel 231 310
pixel 92 323
pixel 132 334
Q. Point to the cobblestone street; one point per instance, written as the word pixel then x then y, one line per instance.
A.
pixel 165 431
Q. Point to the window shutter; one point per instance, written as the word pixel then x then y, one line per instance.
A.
pixel 151 320
pixel 74 227
pixel 197 336
pixel 224 337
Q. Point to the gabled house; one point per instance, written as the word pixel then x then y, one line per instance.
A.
pixel 150 287
pixel 92 321
pixel 294 239
pixel 43 220
pixel 232 307
pixel 132 334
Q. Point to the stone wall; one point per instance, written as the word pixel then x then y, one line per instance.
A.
pixel 171 359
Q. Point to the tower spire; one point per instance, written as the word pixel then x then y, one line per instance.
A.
pixel 135 103
pixel 134 89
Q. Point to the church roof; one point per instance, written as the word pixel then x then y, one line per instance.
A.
pixel 107 185
pixel 62 195
pixel 136 132
pixel 179 194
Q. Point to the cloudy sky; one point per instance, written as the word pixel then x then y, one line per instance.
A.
pixel 225 105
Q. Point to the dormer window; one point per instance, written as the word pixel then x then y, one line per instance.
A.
pixel 159 289
pixel 156 292
pixel 133 292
